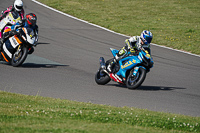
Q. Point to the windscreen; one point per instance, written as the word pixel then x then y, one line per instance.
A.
pixel 30 32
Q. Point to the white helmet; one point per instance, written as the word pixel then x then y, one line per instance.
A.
pixel 18 5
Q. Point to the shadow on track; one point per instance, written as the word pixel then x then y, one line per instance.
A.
pixel 158 88
pixel 39 43
pixel 33 65
pixel 149 88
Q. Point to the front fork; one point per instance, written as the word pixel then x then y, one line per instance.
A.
pixel 18 51
pixel 135 71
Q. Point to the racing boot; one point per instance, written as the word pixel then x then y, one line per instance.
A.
pixel 110 66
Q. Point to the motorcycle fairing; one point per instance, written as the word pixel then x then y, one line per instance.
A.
pixel 11 18
pixel 14 17
pixel 126 63
pixel 116 78
pixel 9 47
pixel 114 52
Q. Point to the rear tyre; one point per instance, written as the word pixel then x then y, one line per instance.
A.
pixel 19 56
pixel 134 82
pixel 102 78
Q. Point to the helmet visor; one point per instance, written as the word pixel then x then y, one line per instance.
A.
pixel 148 39
pixel 30 32
pixel 19 7
pixel 33 22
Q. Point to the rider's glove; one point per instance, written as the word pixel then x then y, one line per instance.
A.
pixel 20 22
pixel 132 50
pixel 13 32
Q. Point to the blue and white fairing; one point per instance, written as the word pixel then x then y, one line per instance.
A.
pixel 130 62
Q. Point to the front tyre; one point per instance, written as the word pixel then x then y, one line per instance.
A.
pixel 102 78
pixel 134 82
pixel 19 56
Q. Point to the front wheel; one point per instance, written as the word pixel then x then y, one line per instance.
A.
pixel 102 78
pixel 19 56
pixel 133 81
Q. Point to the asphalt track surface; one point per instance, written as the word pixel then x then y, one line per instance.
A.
pixel 67 57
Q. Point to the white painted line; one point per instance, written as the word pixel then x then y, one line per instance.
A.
pixel 107 29
pixel 175 50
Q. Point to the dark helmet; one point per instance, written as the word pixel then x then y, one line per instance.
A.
pixel 31 19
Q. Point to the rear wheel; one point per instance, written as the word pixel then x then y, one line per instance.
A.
pixel 19 56
pixel 102 78
pixel 133 81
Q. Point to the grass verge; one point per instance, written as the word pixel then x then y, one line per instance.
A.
pixel 174 23
pixel 22 113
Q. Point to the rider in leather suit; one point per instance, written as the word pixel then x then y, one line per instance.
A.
pixel 133 44
pixel 17 6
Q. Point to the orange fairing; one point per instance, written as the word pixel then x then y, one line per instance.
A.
pixel 17 39
pixel 24 30
pixel 4 57
pixel 7 30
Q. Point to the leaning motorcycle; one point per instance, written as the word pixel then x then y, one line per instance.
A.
pixel 130 70
pixel 10 19
pixel 16 48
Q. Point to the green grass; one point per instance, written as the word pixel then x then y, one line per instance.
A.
pixel 174 23
pixel 22 113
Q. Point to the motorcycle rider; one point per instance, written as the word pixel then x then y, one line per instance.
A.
pixel 28 22
pixel 133 44
pixel 17 6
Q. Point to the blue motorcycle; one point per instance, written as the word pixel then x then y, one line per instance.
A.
pixel 130 70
